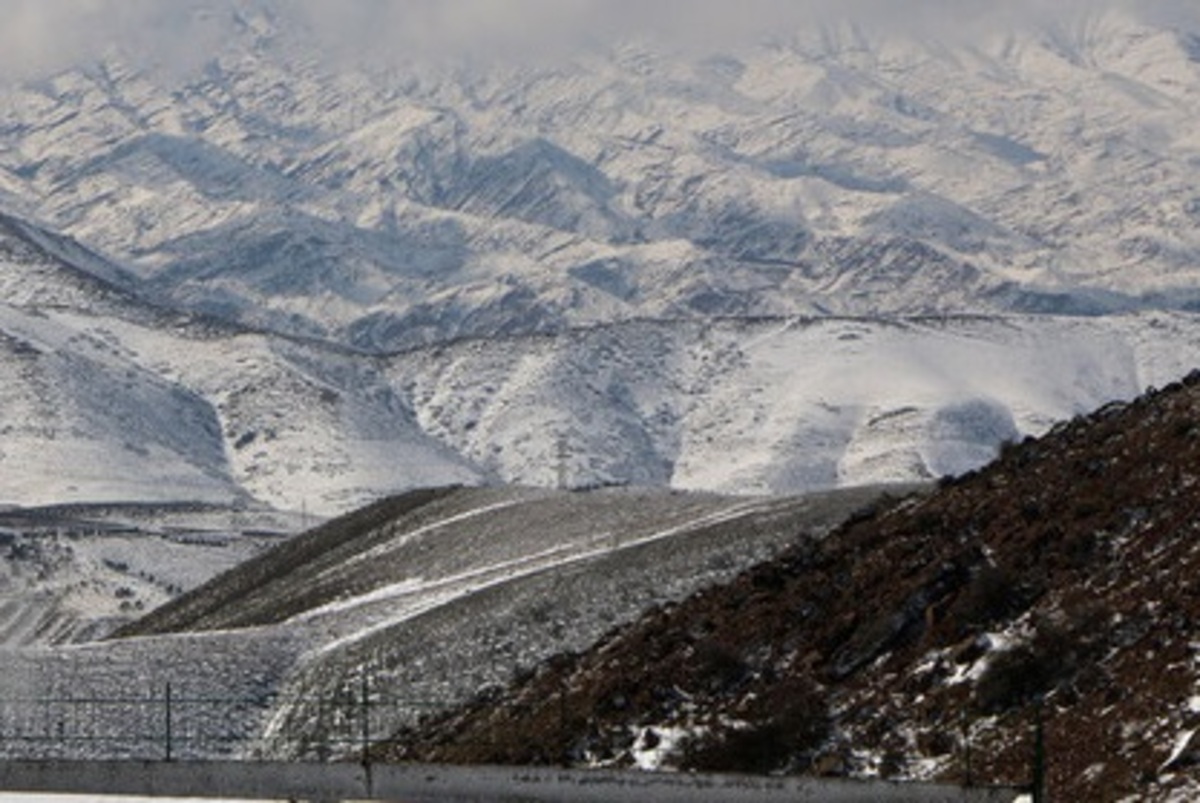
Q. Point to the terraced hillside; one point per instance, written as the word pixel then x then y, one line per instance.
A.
pixel 439 594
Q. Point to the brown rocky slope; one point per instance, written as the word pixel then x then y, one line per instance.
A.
pixel 921 639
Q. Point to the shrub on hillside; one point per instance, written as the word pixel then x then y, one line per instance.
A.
pixel 993 595
pixel 785 728
pixel 1051 660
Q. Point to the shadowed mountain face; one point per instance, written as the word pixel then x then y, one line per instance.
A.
pixel 920 640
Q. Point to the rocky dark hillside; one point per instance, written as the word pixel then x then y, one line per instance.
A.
pixel 923 639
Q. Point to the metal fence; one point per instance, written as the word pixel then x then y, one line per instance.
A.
pixel 168 723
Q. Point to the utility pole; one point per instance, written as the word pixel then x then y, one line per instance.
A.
pixel 563 453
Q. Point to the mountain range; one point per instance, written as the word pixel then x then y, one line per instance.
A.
pixel 110 398
pixel 541 343
pixel 835 170
pixel 830 257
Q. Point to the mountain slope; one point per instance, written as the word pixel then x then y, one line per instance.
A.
pixel 107 397
pixel 1062 573
pixel 776 406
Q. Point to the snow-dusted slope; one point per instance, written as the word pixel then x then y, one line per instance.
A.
pixel 497 578
pixel 100 409
pixel 835 169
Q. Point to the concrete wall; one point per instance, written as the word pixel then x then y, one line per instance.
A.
pixel 425 784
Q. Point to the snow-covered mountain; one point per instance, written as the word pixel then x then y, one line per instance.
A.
pixel 106 398
pixel 831 169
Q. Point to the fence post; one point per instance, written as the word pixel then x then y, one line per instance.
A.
pixel 562 723
pixel 968 775
pixel 167 722
pixel 366 719
pixel 1039 755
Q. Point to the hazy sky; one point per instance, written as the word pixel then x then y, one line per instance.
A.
pixel 40 35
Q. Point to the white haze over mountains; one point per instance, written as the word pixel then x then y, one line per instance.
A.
pixel 179 36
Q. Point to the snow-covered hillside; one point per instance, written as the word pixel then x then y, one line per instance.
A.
pixel 106 398
pixel 776 406
pixel 830 169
